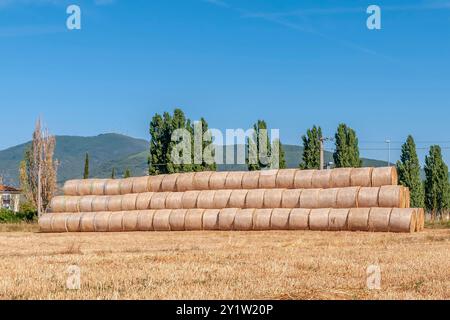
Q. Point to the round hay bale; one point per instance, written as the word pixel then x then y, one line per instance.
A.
pixel 238 198
pixel 358 219
pixel 177 219
pixel 321 179
pixel 87 222
pixel 217 180
pixel 379 219
pixel 309 198
pixel 319 219
pixel 58 204
pixel 291 198
pixel 407 195
pixel 341 177
pixel 348 197
pixel 328 198
pixel 130 221
pixel 189 200
pixel 140 184
pixel 205 199
pixel 268 179
pixel 272 198
pixel 226 218
pixel 143 200
pixel 280 219
pixel 261 219
pixel 299 219
pixel 420 226
pixel 98 187
pixel 303 179
pixel 71 187
pixel 255 199
pixel 73 204
pixel 101 221
pixel 194 220
pixel 85 187
pixel 161 220
pixel 211 219
pixel 174 200
pixel 243 221
pixel 115 203
pixel 129 202
pixel 201 180
pixel 169 183
pixel 85 203
pixel 74 222
pixel 126 186
pixel 361 177
pixel 285 178
pixel 250 180
pixel 403 220
pixel 112 187
pixel 234 180
pixel 158 200
pixel 185 182
pixel 145 220
pixel 116 221
pixel 100 203
pixel 45 223
pixel 59 222
pixel 155 182
pixel 221 199
pixel 368 197
pixel 385 176
pixel 390 197
pixel 338 219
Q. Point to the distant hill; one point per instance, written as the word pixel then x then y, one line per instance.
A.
pixel 108 151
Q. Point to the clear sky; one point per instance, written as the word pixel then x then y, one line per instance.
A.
pixel 292 63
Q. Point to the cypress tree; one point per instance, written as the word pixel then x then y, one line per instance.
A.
pixel 278 152
pixel 311 148
pixel 347 150
pixel 113 173
pixel 86 167
pixel 409 172
pixel 256 147
pixel 127 173
pixel 157 156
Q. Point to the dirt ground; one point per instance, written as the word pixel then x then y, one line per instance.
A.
pixel 223 265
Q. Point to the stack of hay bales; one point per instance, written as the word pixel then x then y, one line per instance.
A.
pixel 353 199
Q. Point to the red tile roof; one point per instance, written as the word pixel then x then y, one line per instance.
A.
pixel 8 189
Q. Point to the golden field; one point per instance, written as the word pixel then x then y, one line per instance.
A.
pixel 224 265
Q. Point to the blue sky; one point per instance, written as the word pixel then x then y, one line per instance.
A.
pixel 292 63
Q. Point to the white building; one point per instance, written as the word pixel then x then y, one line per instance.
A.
pixel 9 198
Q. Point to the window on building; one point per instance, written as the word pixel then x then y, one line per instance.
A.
pixel 6 201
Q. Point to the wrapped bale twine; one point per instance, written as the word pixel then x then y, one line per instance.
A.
pixel 161 220
pixel 45 222
pixel 71 187
pixel 348 197
pixel 145 220
pixel 174 200
pixel 303 179
pixel 116 221
pixel 217 180
pixel 321 179
pixel 226 218
pixel 211 219
pixel 129 202
pixel 100 203
pixel 391 197
pixel 85 187
pixel 368 197
pixel 112 187
pixel 285 178
pixel 185 182
pixel 155 182
pixel 234 180
pixel 126 186
pixel 403 220
pixel 250 180
pixel 299 219
pixel 243 221
pixel 101 221
pixel 58 204
pixel 361 177
pixel 130 221
pixel 201 180
pixel 309 198
pixel 85 204
pixel 238 198
pixel 255 199
pixel 98 187
pixel 328 198
pixel 268 179
pixel 169 182
pixel 194 220
pixel 385 176
pixel 358 219
pixel 379 219
pixel 291 198
pixel 272 198
pixel 143 200
pixel 280 219
pixel 189 200
pixel 73 204
pixel 319 219
pixel 140 184
pixel 205 199
pixel 420 226
pixel 341 177
pixel 115 203
pixel 338 219
pixel 177 219
pixel 158 200
pixel 59 222
pixel 87 222
pixel 261 219
pixel 74 222
pixel 222 198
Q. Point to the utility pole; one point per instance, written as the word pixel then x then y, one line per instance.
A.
pixel 388 141
pixel 322 140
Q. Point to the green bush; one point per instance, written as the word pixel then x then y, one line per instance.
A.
pixel 8 216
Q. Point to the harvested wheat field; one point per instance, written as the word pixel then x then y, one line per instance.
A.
pixel 225 265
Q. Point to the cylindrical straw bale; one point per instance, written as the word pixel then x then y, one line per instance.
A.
pixel 255 198
pixel 126 186
pixel 407 194
pixel 250 180
pixel 403 220
pixel 155 182
pixel 299 219
pixel 58 204
pixel 420 226
pixel 368 197
pixel 129 202
pixel 390 197
pixel 328 198
pixel 143 200
pixel 285 178
pixel 384 176
pixel 161 220
pixel 174 200
pixel 319 219
pixel 158 200
pixel 280 219
pixel 341 177
pixel 261 219
pixel 73 204
pixel 226 218
pixel 116 221
pixel 59 222
pixel 169 183
pixel 205 199
pixel 221 199
pixel 194 220
pixel 85 187
pixel 238 198
pixel 338 219
pixel 101 221
pixel 189 200
pixel 211 219
pixel 358 219
pixel 243 220
pixel 348 197
pixel 291 198
pixel 309 198
pixel 140 184
pixel 130 221
pixel 45 222
pixel 379 219
pixel 272 198
pixel 185 182
pixel 112 187
pixel 98 187
pixel 303 179
pixel 234 180
pixel 361 177
pixel 74 222
pixel 145 220
pixel 321 179
pixel 85 203
pixel 177 219
pixel 268 179
pixel 115 203
pixel 201 180
pixel 87 222
pixel 100 203
pixel 71 187
pixel 217 180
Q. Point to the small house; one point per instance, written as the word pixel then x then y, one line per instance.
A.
pixel 9 198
